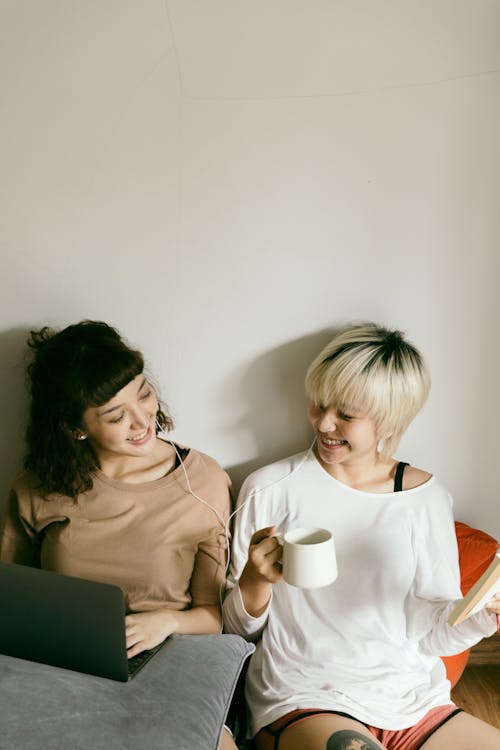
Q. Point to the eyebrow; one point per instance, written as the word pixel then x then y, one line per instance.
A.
pixel 120 406
pixel 347 409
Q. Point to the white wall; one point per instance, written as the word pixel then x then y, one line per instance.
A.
pixel 224 181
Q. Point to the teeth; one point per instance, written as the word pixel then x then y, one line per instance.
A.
pixel 333 442
pixel 139 437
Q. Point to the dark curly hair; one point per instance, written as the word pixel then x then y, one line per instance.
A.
pixel 83 365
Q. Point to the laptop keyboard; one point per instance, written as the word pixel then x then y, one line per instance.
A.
pixel 138 661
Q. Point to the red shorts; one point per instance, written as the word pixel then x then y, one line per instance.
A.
pixel 393 739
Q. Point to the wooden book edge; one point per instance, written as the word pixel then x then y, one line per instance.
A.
pixel 463 608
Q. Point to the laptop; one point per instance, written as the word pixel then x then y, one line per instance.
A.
pixel 66 622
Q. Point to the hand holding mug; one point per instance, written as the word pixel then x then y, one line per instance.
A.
pixel 263 568
pixel 264 556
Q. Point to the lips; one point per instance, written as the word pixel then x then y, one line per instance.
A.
pixel 141 437
pixel 331 443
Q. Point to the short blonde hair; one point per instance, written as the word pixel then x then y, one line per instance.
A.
pixel 376 371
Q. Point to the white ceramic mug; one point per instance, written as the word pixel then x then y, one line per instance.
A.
pixel 309 560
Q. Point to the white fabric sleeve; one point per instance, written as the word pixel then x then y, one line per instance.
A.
pixel 236 618
pixel 437 586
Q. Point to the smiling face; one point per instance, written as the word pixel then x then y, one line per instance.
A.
pixel 124 425
pixel 378 370
pixel 343 435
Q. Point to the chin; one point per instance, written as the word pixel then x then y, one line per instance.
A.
pixel 331 457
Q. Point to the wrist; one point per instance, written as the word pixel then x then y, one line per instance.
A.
pixel 255 592
pixel 170 617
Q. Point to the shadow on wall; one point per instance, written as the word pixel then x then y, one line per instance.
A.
pixel 272 388
pixel 14 404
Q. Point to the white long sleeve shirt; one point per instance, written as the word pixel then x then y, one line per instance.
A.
pixel 369 643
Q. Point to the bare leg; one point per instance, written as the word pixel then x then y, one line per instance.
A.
pixel 464 732
pixel 226 741
pixel 328 732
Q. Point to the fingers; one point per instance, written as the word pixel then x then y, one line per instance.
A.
pixel 264 555
pixel 137 648
pixel 494 604
pixel 268 550
pixel 134 639
pixel 262 534
pixel 135 644
pixel 144 630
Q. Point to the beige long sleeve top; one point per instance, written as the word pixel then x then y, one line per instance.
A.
pixel 161 545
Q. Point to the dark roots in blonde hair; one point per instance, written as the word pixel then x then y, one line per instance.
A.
pixel 83 365
pixel 375 369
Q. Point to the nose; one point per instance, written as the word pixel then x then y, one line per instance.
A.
pixel 327 421
pixel 139 419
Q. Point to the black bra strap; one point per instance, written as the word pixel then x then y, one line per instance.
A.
pixel 180 455
pixel 398 476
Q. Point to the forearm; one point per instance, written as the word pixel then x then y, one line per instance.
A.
pixel 204 619
pixel 147 629
pixel 445 640
pixel 255 593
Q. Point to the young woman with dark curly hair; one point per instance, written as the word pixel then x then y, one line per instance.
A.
pixel 103 497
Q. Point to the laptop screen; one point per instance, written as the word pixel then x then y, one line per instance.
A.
pixel 63 621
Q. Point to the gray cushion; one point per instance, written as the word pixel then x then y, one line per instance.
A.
pixel 178 701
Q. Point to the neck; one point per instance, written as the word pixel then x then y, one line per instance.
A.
pixel 370 472
pixel 139 468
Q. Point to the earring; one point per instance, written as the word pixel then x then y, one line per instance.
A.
pixel 80 436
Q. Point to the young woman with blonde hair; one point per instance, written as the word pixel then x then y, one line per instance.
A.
pixel 355 664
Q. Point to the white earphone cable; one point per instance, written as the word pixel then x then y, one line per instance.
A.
pixel 223 523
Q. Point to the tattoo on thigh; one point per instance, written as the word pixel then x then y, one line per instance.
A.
pixel 348 739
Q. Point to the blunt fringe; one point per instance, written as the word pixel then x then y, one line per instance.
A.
pixel 83 365
pixel 376 371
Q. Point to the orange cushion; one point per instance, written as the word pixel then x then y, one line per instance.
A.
pixel 476 550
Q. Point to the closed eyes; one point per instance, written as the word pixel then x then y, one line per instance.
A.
pixel 117 419
pixel 142 397
pixel 345 417
pixel 341 414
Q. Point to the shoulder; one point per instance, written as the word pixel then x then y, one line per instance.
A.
pixel 414 477
pixel 204 462
pixel 427 487
pixel 28 488
pixel 26 498
pixel 20 482
pixel 430 508
pixel 26 485
pixel 423 491
pixel 274 474
pixel 206 471
pixel 429 500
